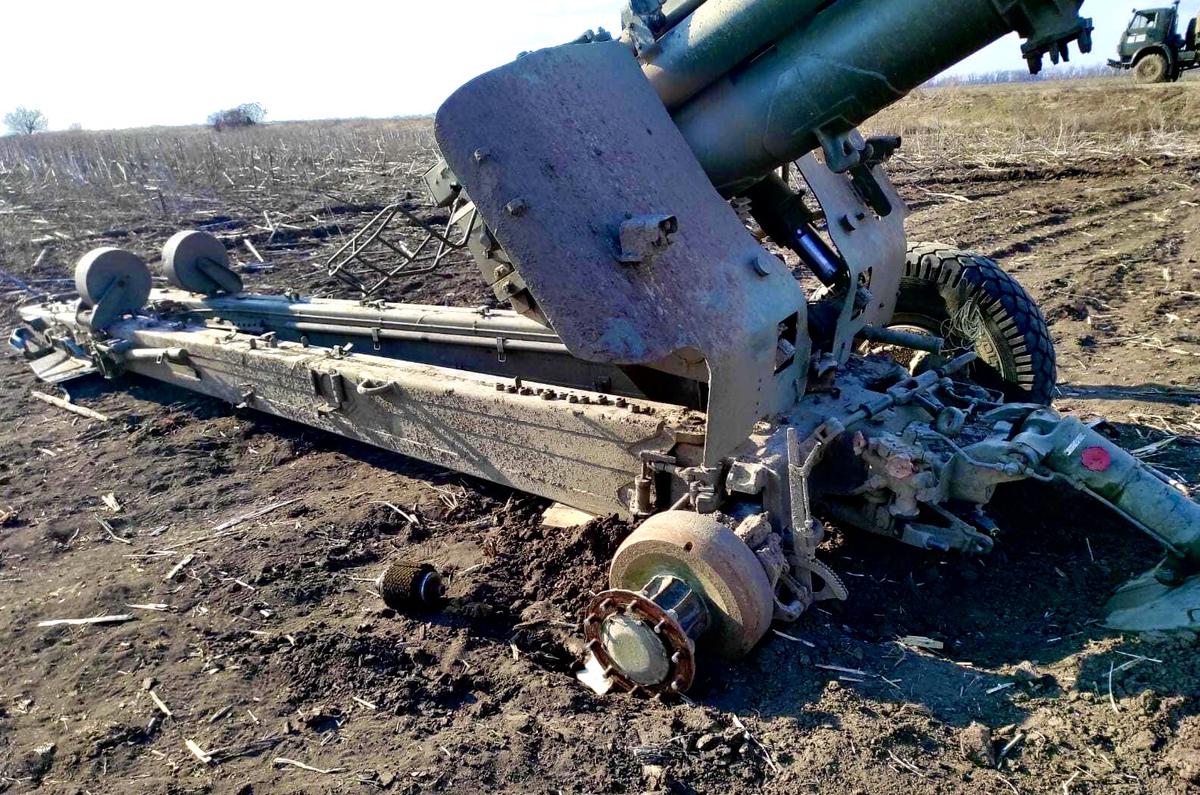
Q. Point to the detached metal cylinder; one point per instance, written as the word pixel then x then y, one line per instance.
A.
pixel 825 78
pixel 408 585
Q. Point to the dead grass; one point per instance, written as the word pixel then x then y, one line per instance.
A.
pixel 145 166
pixel 1039 123
pixel 63 192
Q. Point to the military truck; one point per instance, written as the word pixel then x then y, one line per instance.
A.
pixel 1152 47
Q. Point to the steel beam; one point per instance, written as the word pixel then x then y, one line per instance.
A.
pixel 583 449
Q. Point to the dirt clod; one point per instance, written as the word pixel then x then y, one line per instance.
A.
pixel 976 744
pixel 39 760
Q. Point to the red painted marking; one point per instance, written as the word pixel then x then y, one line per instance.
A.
pixel 1097 459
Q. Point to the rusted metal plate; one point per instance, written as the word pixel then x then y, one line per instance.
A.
pixel 558 149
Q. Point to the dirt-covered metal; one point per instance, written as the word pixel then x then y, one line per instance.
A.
pixel 198 262
pixel 595 141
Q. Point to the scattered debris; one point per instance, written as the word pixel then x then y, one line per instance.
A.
pixel 198 752
pixel 255 514
pixel 71 407
pixel 75 622
pixel 909 766
pixel 564 517
pixel 840 669
pixel 158 702
pixel 794 639
pixel 1011 744
pixel 281 761
pixel 178 567
pixel 921 642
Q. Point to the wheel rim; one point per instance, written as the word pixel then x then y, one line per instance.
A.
pixel 1150 69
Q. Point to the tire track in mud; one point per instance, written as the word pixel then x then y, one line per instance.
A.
pixel 1067 218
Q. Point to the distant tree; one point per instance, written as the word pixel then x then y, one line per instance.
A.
pixel 25 121
pixel 246 115
pixel 75 127
pixel 1063 72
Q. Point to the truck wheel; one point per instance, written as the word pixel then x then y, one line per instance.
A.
pixel 967 300
pixel 1151 68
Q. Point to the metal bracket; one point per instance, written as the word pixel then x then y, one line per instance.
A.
pixel 644 237
pixel 330 388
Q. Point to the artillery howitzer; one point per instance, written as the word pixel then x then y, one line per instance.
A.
pixel 660 363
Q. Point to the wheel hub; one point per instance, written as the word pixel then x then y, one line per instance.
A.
pixel 645 640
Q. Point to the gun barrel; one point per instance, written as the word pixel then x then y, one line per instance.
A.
pixel 754 84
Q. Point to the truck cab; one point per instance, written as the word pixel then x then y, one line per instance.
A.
pixel 1152 47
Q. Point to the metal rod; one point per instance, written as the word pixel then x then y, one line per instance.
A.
pixel 903 339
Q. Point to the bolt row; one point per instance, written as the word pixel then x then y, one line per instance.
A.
pixel 516 388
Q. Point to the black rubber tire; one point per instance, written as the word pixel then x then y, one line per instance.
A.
pixel 969 301
pixel 1152 68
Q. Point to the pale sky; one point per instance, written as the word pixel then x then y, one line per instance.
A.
pixel 129 63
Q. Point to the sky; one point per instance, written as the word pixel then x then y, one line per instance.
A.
pixel 132 63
